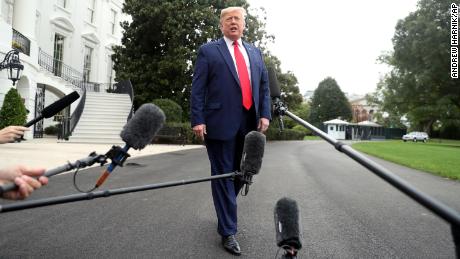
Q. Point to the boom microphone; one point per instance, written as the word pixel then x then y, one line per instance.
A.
pixel 143 126
pixel 287 224
pixel 253 152
pixel 55 107
pixel 137 133
pixel 278 106
pixel 251 159
pixel 273 82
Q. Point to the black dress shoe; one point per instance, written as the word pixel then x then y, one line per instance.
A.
pixel 231 245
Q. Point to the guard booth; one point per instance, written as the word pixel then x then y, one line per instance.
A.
pixel 336 128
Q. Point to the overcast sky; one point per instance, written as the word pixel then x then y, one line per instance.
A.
pixel 341 39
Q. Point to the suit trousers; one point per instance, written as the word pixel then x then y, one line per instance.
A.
pixel 225 157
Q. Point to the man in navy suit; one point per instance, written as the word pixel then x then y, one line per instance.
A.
pixel 230 97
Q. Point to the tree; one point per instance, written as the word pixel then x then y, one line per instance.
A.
pixel 388 120
pixel 419 84
pixel 302 111
pixel 160 44
pixel 329 102
pixel 287 82
pixel 13 111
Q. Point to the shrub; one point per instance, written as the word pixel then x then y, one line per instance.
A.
pixel 13 111
pixel 51 130
pixel 302 129
pixel 169 134
pixel 172 110
pixel 273 133
pixel 288 123
pixel 190 138
pixel 302 112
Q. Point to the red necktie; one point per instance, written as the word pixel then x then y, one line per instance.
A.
pixel 244 77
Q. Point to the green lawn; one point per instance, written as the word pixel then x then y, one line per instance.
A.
pixel 311 138
pixel 441 157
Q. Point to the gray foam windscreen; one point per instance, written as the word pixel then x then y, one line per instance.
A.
pixel 253 152
pixel 142 127
pixel 273 83
pixel 287 223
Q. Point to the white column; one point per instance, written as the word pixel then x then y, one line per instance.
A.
pixel 24 21
pixel 24 15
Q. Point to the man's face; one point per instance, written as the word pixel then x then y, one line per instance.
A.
pixel 232 25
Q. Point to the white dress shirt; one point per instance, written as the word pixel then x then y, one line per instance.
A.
pixel 231 48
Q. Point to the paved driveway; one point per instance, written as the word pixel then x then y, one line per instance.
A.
pixel 346 211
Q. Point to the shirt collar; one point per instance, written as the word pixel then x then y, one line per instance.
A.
pixel 230 42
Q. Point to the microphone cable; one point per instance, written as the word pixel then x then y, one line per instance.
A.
pixel 245 181
pixel 76 185
pixel 116 154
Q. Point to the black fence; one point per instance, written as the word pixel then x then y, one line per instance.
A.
pixel 394 133
pixel 66 72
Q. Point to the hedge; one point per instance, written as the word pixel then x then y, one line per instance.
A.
pixel 181 133
pixel 273 133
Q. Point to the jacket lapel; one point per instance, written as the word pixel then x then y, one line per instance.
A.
pixel 228 59
pixel 251 53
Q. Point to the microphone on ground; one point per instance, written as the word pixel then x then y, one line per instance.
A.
pixel 288 226
pixel 137 133
pixel 54 108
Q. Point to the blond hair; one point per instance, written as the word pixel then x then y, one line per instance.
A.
pixel 232 9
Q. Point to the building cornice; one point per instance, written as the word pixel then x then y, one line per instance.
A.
pixel 63 23
pixel 92 37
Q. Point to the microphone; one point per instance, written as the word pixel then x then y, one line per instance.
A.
pixel 273 82
pixel 55 107
pixel 278 106
pixel 287 225
pixel 251 160
pixel 137 133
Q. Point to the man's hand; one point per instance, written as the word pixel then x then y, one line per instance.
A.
pixel 22 177
pixel 200 131
pixel 263 125
pixel 11 133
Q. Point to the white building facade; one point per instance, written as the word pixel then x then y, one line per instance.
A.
pixel 65 45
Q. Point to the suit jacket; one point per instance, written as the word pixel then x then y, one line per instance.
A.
pixel 216 98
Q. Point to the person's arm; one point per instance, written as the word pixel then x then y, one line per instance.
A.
pixel 11 133
pixel 265 103
pixel 197 98
pixel 23 177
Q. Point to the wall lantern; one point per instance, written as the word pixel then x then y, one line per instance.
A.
pixel 13 64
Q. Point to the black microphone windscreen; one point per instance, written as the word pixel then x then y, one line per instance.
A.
pixel 142 127
pixel 253 152
pixel 287 223
pixel 273 82
pixel 60 104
